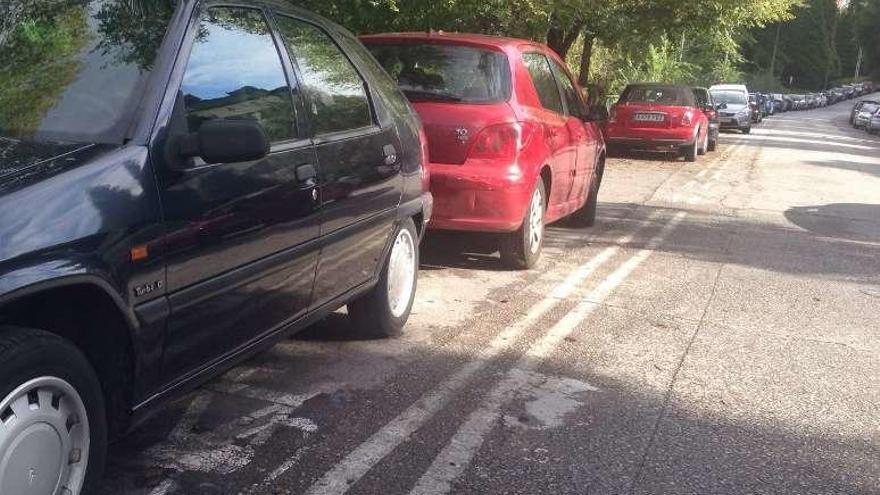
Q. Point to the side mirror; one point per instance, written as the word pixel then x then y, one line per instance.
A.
pixel 225 141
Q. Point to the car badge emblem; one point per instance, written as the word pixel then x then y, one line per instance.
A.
pixel 462 134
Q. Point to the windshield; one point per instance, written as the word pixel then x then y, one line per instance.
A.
pixel 73 70
pixel 446 73
pixel 658 95
pixel 729 97
pixel 869 107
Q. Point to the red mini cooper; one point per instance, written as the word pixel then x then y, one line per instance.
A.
pixel 511 143
pixel 659 117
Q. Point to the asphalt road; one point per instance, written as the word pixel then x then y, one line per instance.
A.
pixel 717 333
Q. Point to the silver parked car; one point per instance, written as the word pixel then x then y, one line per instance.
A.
pixel 873 125
pixel 864 114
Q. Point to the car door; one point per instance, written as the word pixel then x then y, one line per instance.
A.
pixel 557 135
pixel 359 170
pixel 585 136
pixel 241 238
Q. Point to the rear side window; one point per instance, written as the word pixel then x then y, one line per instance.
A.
pixel 702 97
pixel 445 73
pixel 658 95
pixel 337 94
pixel 573 100
pixel 545 84
pixel 234 72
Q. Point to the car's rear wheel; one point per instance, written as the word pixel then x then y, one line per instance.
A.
pixel 691 151
pixel 384 310
pixel 53 430
pixel 521 249
pixel 705 146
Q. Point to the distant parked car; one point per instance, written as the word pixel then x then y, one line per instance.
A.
pixel 732 101
pixel 800 102
pixel 779 103
pixel 873 126
pixel 707 103
pixel 865 112
pixel 858 108
pixel 755 107
pixel 659 117
pixel 512 144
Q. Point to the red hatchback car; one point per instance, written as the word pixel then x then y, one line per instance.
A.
pixel 659 116
pixel 511 143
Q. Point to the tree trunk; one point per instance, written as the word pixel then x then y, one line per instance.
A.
pixel 561 38
pixel 586 59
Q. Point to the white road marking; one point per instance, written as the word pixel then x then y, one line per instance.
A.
pixel 359 461
pixel 459 452
pixel 164 487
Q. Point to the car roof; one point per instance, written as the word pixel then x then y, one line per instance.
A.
pixel 498 42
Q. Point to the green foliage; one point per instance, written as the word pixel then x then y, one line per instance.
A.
pixel 36 63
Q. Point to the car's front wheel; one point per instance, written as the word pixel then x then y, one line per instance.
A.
pixel 53 430
pixel 384 310
pixel 521 249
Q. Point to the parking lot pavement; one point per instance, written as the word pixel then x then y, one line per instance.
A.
pixel 717 332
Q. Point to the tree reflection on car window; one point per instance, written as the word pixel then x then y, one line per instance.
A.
pixel 234 72
pixel 336 93
pixel 72 70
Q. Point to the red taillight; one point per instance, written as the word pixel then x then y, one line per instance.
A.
pixel 687 118
pixel 502 141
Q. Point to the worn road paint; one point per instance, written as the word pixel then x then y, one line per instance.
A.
pixel 359 461
pixel 461 449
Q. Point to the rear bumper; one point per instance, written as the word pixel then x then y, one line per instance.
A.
pixel 650 138
pixel 481 198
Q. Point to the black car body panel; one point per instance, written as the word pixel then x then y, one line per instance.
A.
pixel 207 263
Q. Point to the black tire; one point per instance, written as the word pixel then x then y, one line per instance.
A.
pixel 371 313
pixel 746 130
pixel 691 151
pixel 27 354
pixel 713 144
pixel 516 247
pixel 586 215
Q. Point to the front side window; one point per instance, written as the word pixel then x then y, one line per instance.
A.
pixel 74 71
pixel 234 72
pixel 337 94
pixel 573 100
pixel 545 84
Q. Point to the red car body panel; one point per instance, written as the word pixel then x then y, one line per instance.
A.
pixel 678 128
pixel 492 195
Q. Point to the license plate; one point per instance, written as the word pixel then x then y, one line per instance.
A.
pixel 649 117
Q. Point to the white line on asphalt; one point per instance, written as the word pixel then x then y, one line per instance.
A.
pixel 359 461
pixel 458 453
pixel 164 487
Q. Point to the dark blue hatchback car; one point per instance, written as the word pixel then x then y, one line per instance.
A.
pixel 182 183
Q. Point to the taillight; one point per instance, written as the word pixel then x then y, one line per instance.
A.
pixel 687 118
pixel 502 141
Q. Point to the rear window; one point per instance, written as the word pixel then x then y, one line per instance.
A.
pixel 446 73
pixel 658 95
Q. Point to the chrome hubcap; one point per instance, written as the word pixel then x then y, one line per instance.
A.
pixel 401 273
pixel 536 222
pixel 44 439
